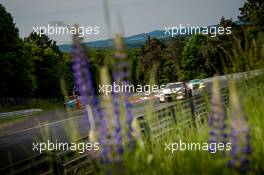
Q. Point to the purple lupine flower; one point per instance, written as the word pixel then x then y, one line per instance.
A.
pixel 117 77
pixel 129 115
pixel 84 83
pixel 117 131
pixel 122 75
pixel 217 117
pixel 240 138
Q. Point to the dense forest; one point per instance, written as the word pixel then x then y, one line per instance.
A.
pixel 35 67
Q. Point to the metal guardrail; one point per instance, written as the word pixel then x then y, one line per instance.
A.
pixel 14 101
pixel 54 162
pixel 20 113
pixel 245 75
pixel 177 116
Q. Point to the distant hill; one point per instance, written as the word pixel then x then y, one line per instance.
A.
pixel 130 41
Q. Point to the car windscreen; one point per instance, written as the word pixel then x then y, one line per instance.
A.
pixel 195 81
pixel 173 86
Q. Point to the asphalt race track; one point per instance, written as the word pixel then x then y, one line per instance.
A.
pixel 19 146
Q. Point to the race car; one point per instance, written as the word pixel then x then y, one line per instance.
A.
pixel 173 91
pixel 196 87
pixel 73 102
pixel 196 84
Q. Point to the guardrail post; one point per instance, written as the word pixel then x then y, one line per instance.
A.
pixel 144 126
pixel 173 112
pixel 56 164
pixel 192 105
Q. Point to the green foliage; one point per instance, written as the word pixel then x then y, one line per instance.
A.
pixel 97 59
pixel 193 62
pixel 133 56
pixel 46 59
pixel 253 11
pixel 16 78
pixel 65 66
pixel 151 54
pixel 9 39
pixel 171 60
pixel 37 67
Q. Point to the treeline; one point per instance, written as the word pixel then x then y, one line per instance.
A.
pixel 35 67
pixel 183 59
pixel 199 56
pixel 29 67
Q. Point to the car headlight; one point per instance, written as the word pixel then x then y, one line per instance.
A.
pixel 201 86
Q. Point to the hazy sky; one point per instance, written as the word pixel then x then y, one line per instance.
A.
pixel 138 16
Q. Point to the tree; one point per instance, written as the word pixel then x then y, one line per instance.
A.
pixel 212 51
pixel 16 78
pixel 171 60
pixel 133 55
pixel 253 12
pixel 151 55
pixel 47 60
pixel 193 62
pixel 9 39
pixel 66 69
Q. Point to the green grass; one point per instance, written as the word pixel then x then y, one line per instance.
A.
pixel 12 120
pixel 252 93
pixel 43 104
